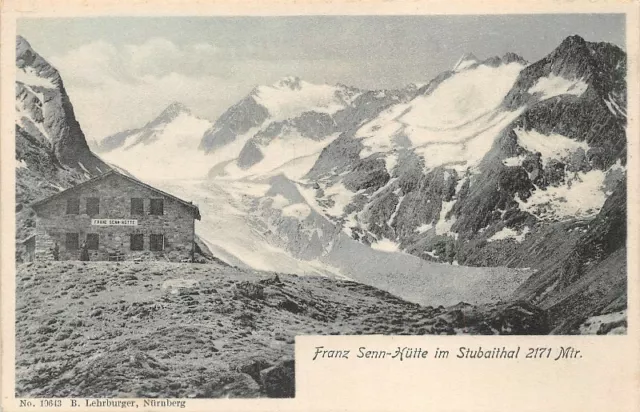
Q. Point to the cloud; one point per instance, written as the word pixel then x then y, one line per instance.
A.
pixel 99 61
pixel 153 57
pixel 117 88
pixel 114 105
pixel 92 64
pixel 114 88
pixel 159 56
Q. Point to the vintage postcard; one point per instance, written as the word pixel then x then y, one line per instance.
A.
pixel 367 206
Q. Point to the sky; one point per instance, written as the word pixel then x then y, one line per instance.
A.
pixel 120 72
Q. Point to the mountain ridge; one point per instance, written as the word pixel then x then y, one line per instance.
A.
pixel 162 146
pixel 60 128
pixel 548 156
pixel 145 133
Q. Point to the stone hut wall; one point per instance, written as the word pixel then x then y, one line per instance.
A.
pixel 115 193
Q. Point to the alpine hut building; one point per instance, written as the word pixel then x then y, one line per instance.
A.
pixel 115 217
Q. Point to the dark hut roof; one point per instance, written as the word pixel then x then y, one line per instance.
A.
pixel 89 182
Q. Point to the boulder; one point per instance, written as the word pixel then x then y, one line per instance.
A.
pixel 253 367
pixel 232 385
pixel 250 290
pixel 520 318
pixel 279 381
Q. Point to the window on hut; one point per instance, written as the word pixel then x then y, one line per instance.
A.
pixel 137 241
pixel 93 241
pixel 137 206
pixel 156 243
pixel 71 241
pixel 73 206
pixel 93 206
pixel 157 207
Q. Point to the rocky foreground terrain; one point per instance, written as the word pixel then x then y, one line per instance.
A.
pixel 124 329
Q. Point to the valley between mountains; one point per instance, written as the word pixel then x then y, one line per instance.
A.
pixel 499 179
pixel 490 199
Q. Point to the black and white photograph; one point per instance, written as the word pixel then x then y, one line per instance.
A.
pixel 193 193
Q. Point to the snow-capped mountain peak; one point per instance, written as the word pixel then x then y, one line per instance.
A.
pixel 465 61
pixel 174 131
pixel 290 97
pixel 172 111
pixel 575 67
pixel 290 82
pixel 44 112
pixel 176 112
pixel 32 69
pixel 169 114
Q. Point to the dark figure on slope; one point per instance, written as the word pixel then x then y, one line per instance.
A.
pixel 84 252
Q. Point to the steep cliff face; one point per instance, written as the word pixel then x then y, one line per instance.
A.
pixel 51 151
pixel 570 140
pixel 578 91
pixel 237 120
pixel 590 278
pixel 42 103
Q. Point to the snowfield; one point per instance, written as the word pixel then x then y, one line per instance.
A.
pixel 289 154
pixel 553 85
pixel 554 146
pixel 290 97
pixel 299 210
pixel 581 196
pixel 295 237
pixel 610 324
pixel 386 245
pixel 508 233
pixel 172 153
pixel 28 76
pixel 455 125
pixel 463 97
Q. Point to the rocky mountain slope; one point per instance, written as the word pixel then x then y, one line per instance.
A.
pixel 278 128
pixel 590 278
pixel 45 111
pixel 162 147
pixel 109 329
pixel 463 168
pixel 51 151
